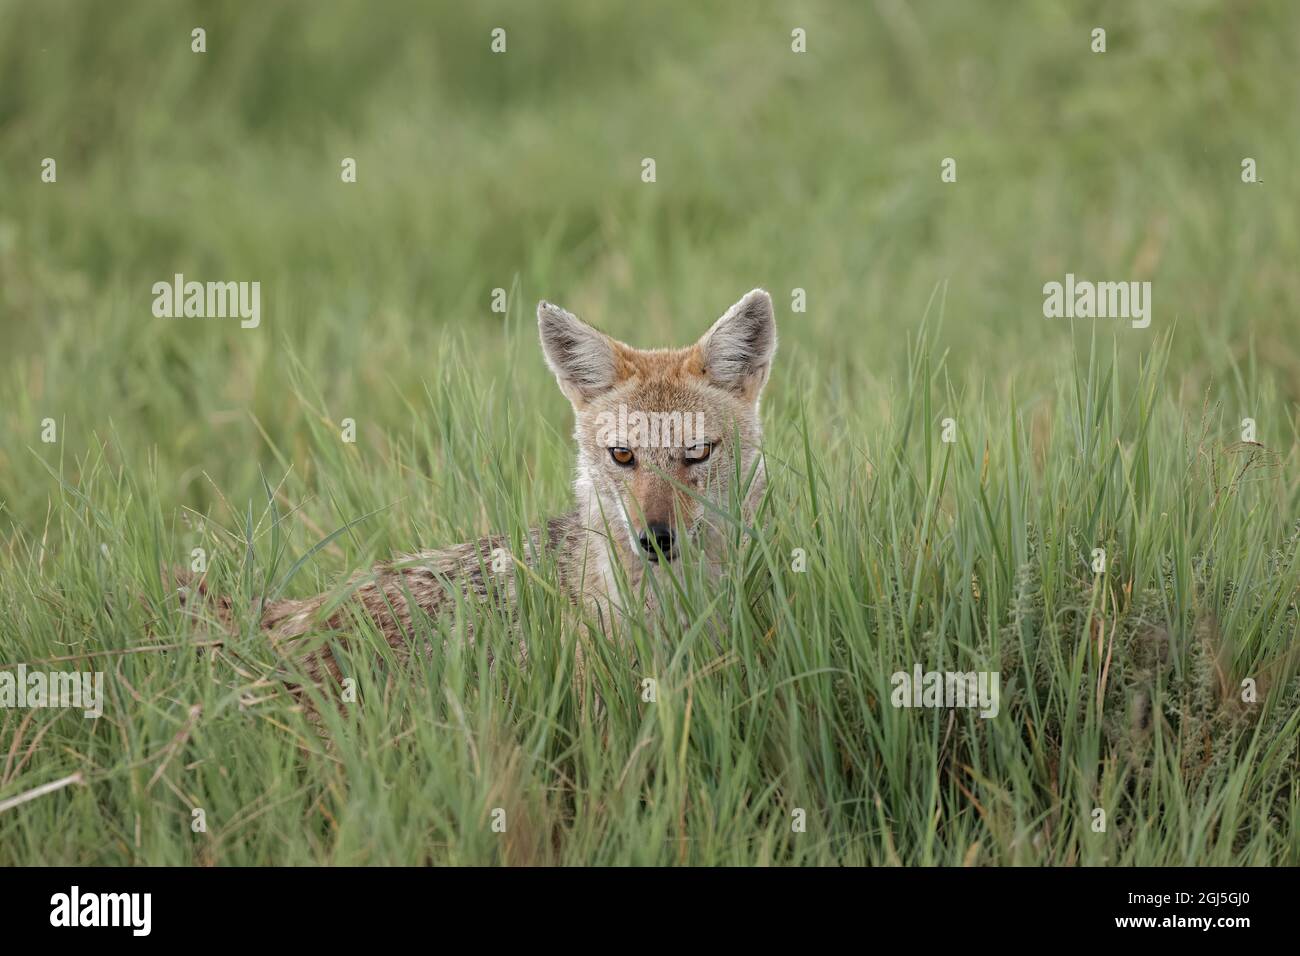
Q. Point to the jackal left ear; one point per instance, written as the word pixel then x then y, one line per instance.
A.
pixel 581 357
pixel 737 352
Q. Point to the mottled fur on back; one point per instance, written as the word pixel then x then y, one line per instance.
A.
pixel 429 583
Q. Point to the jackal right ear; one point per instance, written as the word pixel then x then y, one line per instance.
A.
pixel 737 352
pixel 581 357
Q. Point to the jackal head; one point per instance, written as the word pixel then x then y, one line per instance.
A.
pixel 660 432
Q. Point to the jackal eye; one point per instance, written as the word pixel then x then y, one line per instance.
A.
pixel 623 456
pixel 698 453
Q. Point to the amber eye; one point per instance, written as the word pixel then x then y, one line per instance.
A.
pixel 698 453
pixel 622 456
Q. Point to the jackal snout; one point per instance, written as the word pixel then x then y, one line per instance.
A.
pixel 658 539
pixel 657 508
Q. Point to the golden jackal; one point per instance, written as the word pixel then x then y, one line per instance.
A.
pixel 661 433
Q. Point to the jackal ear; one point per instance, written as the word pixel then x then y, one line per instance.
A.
pixel 737 352
pixel 581 357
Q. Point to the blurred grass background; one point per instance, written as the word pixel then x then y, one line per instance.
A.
pixel 522 170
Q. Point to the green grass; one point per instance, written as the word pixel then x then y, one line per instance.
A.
pixel 1120 690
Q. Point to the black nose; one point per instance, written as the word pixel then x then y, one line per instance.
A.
pixel 661 535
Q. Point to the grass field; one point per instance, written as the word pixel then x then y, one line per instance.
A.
pixel 820 171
